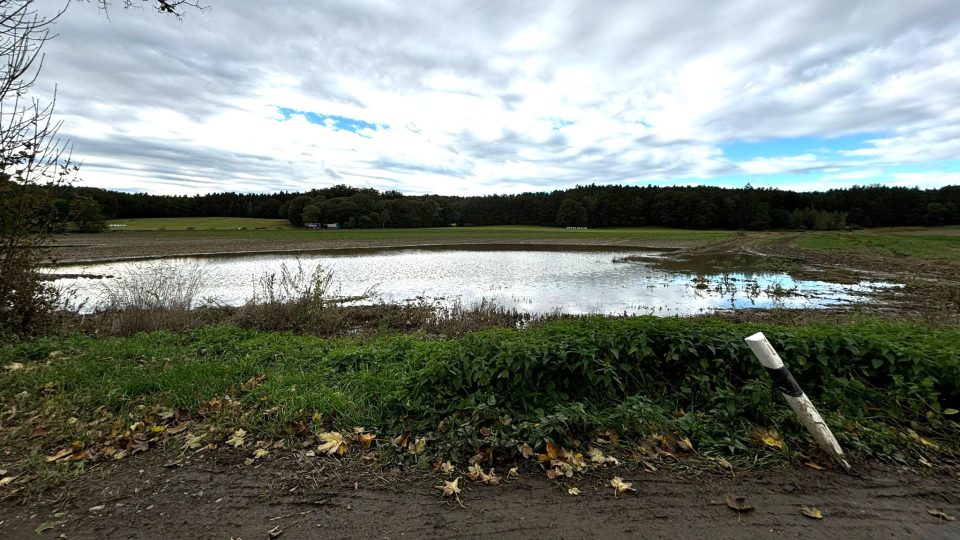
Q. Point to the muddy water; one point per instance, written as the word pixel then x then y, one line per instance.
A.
pixel 530 280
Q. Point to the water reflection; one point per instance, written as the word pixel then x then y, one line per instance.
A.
pixel 535 281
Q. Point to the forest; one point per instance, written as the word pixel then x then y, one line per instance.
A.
pixel 699 207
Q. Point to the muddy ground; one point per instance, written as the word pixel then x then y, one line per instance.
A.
pixel 160 494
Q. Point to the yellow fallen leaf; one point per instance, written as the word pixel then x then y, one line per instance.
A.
pixel 366 439
pixel 450 488
pixel 260 453
pixel 418 446
pixel 724 464
pixel 236 440
pixel 7 480
pixel 490 479
pixel 619 486
pixel 811 512
pixel 769 437
pixel 447 467
pixel 513 473
pixel 332 443
pixel 194 441
pixel 573 491
pixel 685 444
pixel 552 451
pixel 474 471
pixel 13 366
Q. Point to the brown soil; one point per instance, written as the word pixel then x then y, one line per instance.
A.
pixel 158 495
pixel 84 248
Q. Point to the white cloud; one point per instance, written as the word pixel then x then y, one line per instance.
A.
pixel 502 96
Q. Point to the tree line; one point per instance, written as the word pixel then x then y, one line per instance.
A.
pixel 699 207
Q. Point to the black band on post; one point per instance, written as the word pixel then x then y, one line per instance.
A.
pixel 784 381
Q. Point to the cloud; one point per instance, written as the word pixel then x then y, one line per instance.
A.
pixel 505 96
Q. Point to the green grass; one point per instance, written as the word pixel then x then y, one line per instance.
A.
pixel 942 243
pixel 198 223
pixel 228 228
pixel 880 385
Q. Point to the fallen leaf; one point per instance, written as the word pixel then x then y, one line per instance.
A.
pixel 811 512
pixel 450 488
pixel 418 446
pixel 513 473
pixel 526 451
pixel 491 478
pixel 260 453
pixel 552 451
pixel 275 532
pixel 236 440
pixel 447 467
pixel 13 366
pixel 60 454
pixel 401 440
pixel 194 441
pixel 769 437
pixel 474 471
pixel 39 432
pixel 332 443
pixel 178 428
pixel 936 512
pixel 366 439
pixel 738 504
pixel 573 491
pixel 619 486
pixel 724 464
pixel 43 527
pixel 252 383
pixel 648 466
pixel 815 466
pixel 685 444
pixel 7 480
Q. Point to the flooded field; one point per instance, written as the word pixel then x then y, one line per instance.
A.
pixel 532 280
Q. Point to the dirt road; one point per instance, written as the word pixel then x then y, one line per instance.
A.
pixel 158 495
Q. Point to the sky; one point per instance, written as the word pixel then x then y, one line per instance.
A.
pixel 489 96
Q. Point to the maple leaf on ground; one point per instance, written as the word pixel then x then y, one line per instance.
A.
pixel 236 440
pixel 447 467
pixel 490 479
pixel 450 488
pixel 366 439
pixel 332 443
pixel 619 486
pixel 474 472
pixel 260 453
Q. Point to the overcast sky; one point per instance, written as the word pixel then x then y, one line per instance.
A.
pixel 507 96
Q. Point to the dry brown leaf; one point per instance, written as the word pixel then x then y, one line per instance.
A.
pixel 253 382
pixel 401 440
pixel 450 488
pixel 815 466
pixel 552 451
pixel 179 428
pixel 738 504
pixel 648 466
pixel 938 513
pixel 447 467
pixel 526 451
pixel 685 444
pixel 619 486
pixel 61 454
pixel 513 473
pixel 724 464
pixel 39 432
pixel 811 512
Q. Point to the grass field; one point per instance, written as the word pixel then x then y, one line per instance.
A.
pixel 197 223
pixel 272 229
pixel 939 243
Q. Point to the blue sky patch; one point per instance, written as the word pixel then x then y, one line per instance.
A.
pixel 795 146
pixel 338 123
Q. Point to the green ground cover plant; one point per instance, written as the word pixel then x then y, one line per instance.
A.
pixel 887 389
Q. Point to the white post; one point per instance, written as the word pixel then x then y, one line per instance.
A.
pixel 795 397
